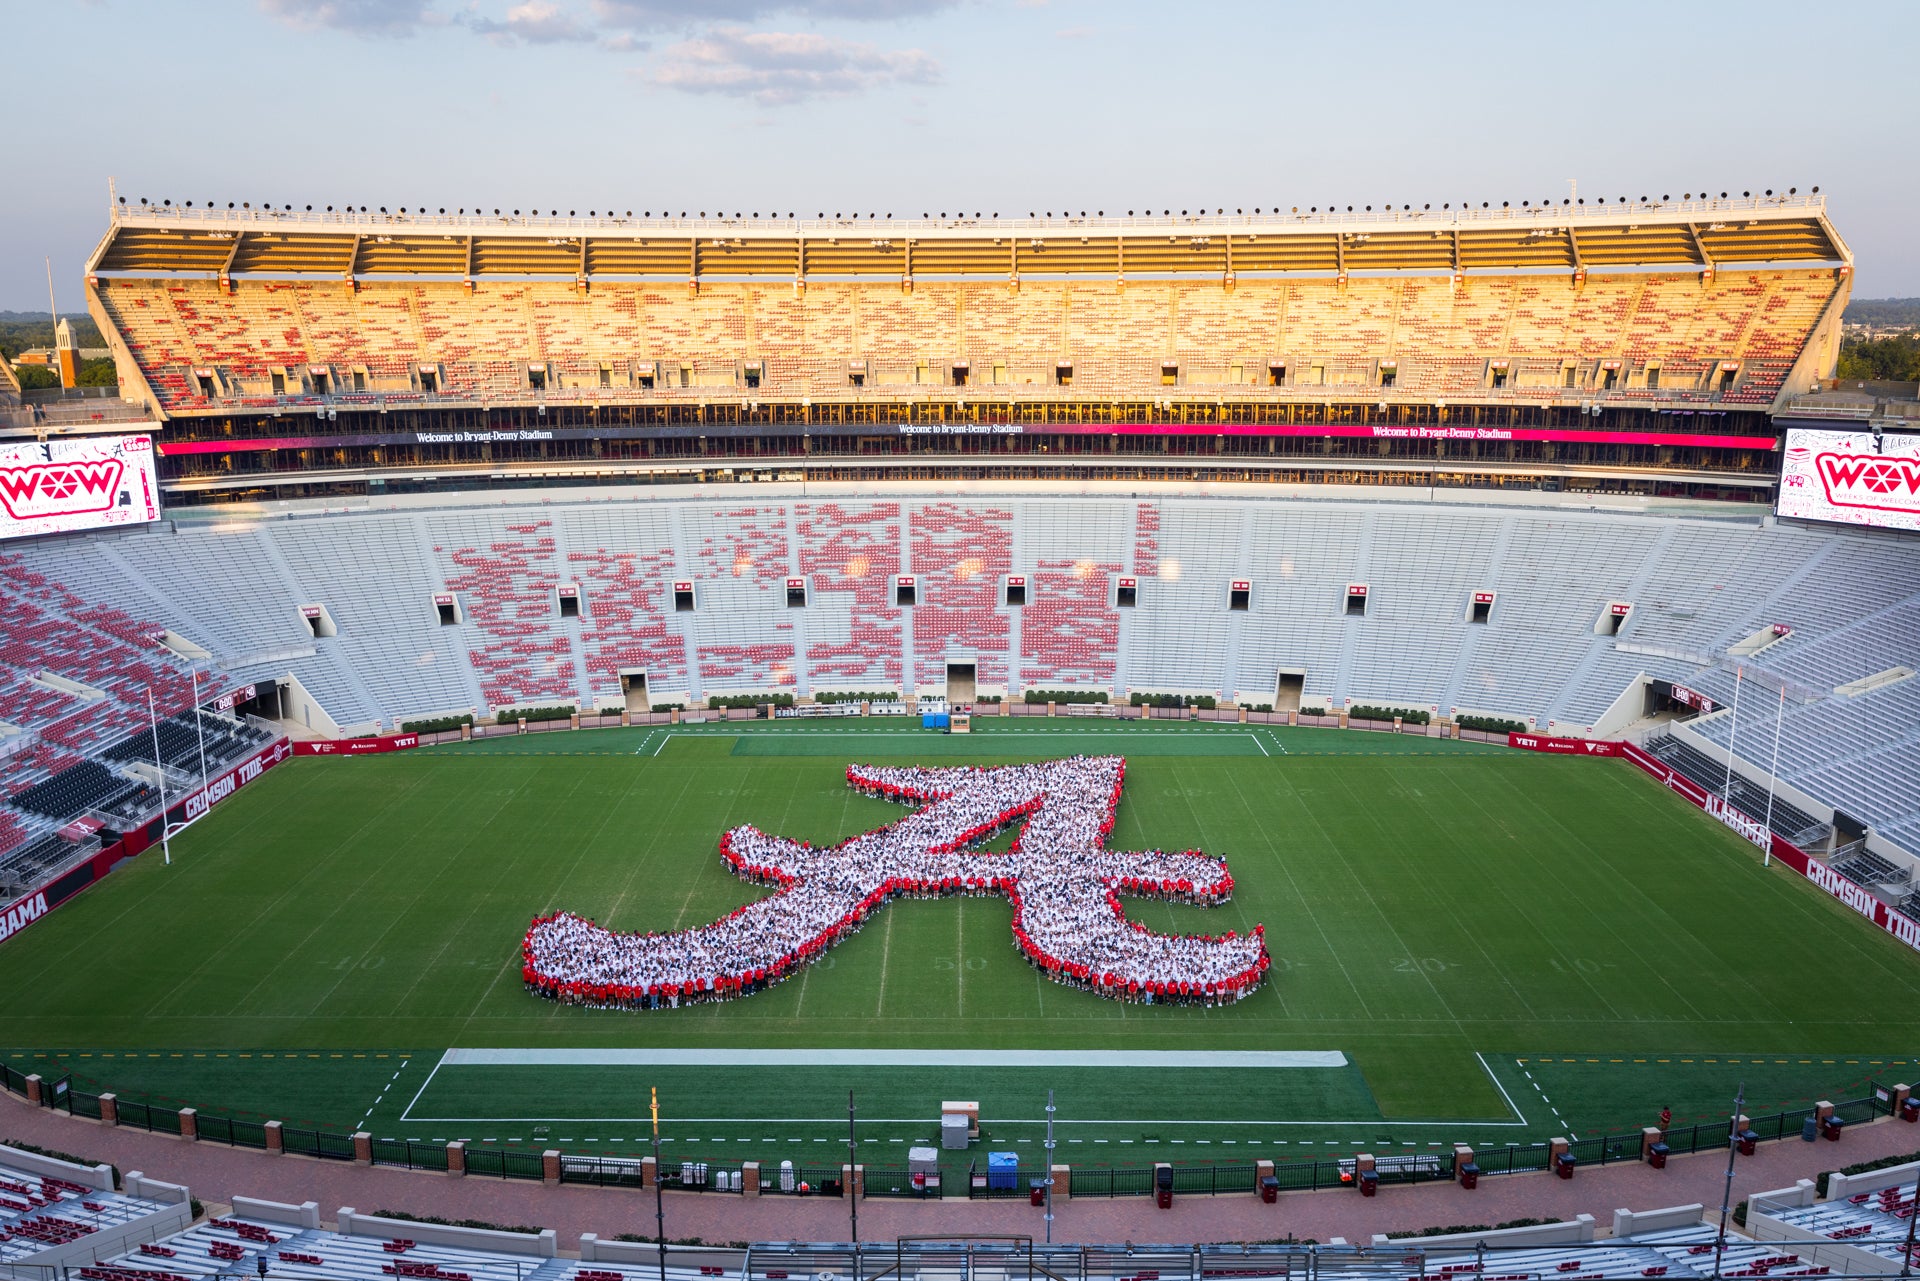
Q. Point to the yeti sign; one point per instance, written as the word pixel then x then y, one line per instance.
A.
pixel 1064 883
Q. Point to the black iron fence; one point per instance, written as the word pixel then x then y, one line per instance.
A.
pixel 793 1179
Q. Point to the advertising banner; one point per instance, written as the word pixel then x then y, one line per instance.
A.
pixel 1851 477
pixel 1564 746
pixel 358 746
pixel 60 486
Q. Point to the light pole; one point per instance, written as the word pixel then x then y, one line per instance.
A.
pixel 1726 1197
pixel 659 1201
pixel 1048 1145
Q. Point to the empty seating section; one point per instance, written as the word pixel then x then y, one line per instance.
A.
pixel 505 575
pixel 624 565
pixel 37 1212
pixel 89 610
pixel 741 562
pixel 235 1246
pixel 1745 795
pixel 1438 336
pixel 849 555
pixel 1182 620
pixel 379 588
pixel 1070 631
pixel 961 554
pixel 1873 1221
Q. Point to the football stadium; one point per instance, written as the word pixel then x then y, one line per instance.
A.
pixel 961 708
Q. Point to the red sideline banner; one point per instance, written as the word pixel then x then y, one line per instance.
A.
pixel 358 746
pixel 1854 896
pixel 1565 746
pixel 220 788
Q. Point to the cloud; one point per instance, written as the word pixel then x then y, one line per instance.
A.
pixel 534 22
pixel 775 68
pixel 362 17
pixel 667 15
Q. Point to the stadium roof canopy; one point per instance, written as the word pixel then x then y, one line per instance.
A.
pixel 1704 233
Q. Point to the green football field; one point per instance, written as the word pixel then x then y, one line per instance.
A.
pixel 1468 942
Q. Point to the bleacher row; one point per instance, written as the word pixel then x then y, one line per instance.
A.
pixel 234 1246
pixel 1696 586
pixel 39 1211
pixel 1435 337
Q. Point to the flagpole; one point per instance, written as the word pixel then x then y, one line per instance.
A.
pixel 659 1203
pixel 1773 774
pixel 153 723
pixel 1733 731
pixel 200 728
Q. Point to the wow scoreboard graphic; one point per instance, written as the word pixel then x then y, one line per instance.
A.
pixel 59 486
pixel 1853 477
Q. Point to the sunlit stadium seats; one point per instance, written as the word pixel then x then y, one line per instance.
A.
pixel 1116 340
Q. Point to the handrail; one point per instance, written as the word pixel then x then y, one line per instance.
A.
pixel 889 227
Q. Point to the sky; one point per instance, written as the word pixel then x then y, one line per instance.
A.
pixel 919 106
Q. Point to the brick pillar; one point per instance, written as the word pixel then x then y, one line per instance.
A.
pixel 523 726
pixel 1822 1110
pixel 1342 719
pixel 573 721
pixel 1557 1148
pixel 1261 1170
pixel 362 1148
pixel 1649 1136
pixel 276 1145
pixel 673 717
pixel 1062 1176
pixel 457 1158
pixel 1363 1164
pixel 1901 1093
pixel 1050 709
pixel 750 1178
pixel 1396 724
pixel 110 1108
pixel 189 1123
pixel 859 1186
pixel 550 1168
pixel 1462 1155
pixel 33 1090
pixel 466 732
pixel 626 717
pixel 649 1171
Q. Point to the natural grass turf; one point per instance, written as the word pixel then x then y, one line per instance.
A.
pixel 1420 906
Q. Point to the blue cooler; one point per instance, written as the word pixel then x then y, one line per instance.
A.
pixel 1003 1170
pixel 932 721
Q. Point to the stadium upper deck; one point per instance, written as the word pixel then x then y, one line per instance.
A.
pixel 1560 336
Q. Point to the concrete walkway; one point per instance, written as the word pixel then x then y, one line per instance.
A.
pixel 217 1174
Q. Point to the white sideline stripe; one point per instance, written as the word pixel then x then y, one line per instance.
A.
pixel 795 1057
pixel 1503 1089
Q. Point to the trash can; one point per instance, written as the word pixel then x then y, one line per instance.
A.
pixel 1163 1187
pixel 919 1183
pixel 1269 1189
pixel 1745 1141
pixel 1657 1156
pixel 1910 1110
pixel 1833 1128
pixel 1369 1183
pixel 1563 1165
pixel 1809 1130
pixel 1469 1175
pixel 1036 1191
